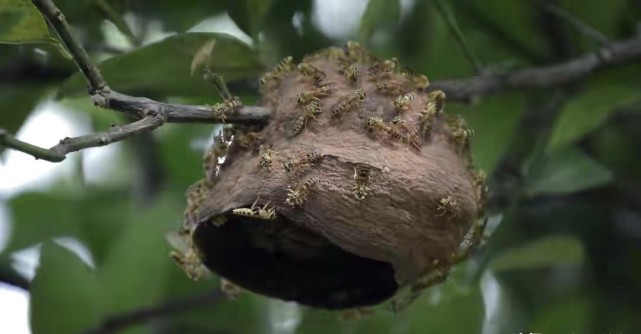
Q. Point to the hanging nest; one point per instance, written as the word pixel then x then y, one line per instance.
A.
pixel 359 185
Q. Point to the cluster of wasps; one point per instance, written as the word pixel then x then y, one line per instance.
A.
pixel 396 130
pixel 272 80
pixel 220 110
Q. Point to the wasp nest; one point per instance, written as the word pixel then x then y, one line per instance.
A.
pixel 359 185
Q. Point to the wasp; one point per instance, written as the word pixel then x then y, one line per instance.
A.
pixel 346 103
pixel 445 206
pixel 189 262
pixel 479 179
pixel 420 81
pixel 311 110
pixel 220 111
pixel 357 313
pixel 462 133
pixel 211 158
pixel 377 124
pixel 402 103
pixel 298 195
pixel 390 87
pixel 312 94
pixel 382 70
pixel 266 212
pixel 361 187
pixel 285 65
pixel 438 96
pixel 250 140
pixel 400 130
pixel 228 133
pixel 428 115
pixel 301 162
pixel 355 52
pixel 234 104
pixel 265 157
pixel 352 73
pixel 270 80
pixel 311 71
pixel 195 195
pixel 231 290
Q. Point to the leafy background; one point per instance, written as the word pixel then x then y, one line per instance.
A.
pixel 564 255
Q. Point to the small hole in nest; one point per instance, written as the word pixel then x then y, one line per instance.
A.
pixel 280 259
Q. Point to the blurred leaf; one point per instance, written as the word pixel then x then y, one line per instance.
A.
pixel 64 293
pixel 494 121
pixel 135 267
pixel 550 251
pixel 94 217
pixel 514 18
pixel 282 38
pixel 618 151
pixel 566 171
pixel 586 112
pixel 182 160
pixel 16 103
pixel 379 14
pixel 427 315
pixel 38 217
pixel 163 68
pixel 249 15
pixel 604 16
pixel 174 15
pixel 21 22
pixel 566 315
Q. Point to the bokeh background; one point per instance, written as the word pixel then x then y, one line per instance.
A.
pixel 84 240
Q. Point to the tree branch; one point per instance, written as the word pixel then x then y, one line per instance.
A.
pixel 615 53
pixel 67 145
pixel 121 321
pixel 104 97
pixel 57 20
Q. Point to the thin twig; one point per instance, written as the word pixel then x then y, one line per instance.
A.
pixel 121 321
pixel 57 20
pixel 615 53
pixel 219 83
pixel 104 97
pixel 578 24
pixel 67 145
pixel 447 14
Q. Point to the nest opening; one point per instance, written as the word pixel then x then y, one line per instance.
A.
pixel 282 259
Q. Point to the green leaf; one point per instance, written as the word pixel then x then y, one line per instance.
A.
pixel 38 217
pixel 249 15
pixel 182 160
pixel 586 112
pixel 493 121
pixel 21 22
pixel 134 269
pixel 17 101
pixel 64 293
pixel 566 171
pixel 164 68
pixel 379 14
pixel 95 217
pixel 551 251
